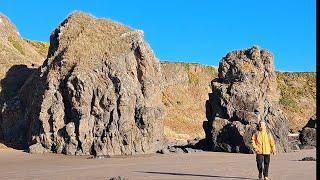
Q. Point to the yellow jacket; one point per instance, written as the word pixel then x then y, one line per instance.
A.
pixel 263 142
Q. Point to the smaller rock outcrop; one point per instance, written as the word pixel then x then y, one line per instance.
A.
pixel 118 178
pixel 244 93
pixel 178 146
pixel 308 135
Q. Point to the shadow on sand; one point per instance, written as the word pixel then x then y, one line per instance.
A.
pixel 194 175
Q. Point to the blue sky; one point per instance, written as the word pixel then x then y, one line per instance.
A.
pixel 200 31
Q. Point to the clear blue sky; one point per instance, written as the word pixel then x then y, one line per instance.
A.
pixel 201 31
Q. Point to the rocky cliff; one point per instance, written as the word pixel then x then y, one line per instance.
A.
pixel 18 60
pixel 98 92
pixel 186 85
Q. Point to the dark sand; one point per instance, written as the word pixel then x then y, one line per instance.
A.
pixel 16 164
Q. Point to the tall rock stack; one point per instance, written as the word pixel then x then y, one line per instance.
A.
pixel 244 93
pixel 98 92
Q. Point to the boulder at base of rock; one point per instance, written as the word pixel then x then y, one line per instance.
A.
pixel 308 159
pixel 37 149
pixel 308 135
pixel 244 93
pixel 98 92
pixel 118 178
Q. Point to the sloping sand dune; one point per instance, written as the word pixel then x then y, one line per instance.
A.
pixel 203 165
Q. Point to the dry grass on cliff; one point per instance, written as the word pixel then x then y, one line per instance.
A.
pixel 40 47
pixel 88 42
pixel 185 112
pixel 184 97
pixel 298 97
pixel 17 60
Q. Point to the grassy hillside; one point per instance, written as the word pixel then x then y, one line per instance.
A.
pixel 17 59
pixel 40 47
pixel 185 93
pixel 298 97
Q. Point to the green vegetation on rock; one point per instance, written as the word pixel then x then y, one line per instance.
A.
pixel 16 45
pixel 194 77
pixel 40 47
pixel 298 97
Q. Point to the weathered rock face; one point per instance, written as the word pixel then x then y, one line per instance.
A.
pixel 244 93
pixel 98 92
pixel 308 135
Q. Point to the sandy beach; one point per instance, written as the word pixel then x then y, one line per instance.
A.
pixel 201 165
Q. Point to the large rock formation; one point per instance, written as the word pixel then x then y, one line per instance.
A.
pixel 244 93
pixel 18 60
pixel 186 87
pixel 308 134
pixel 98 92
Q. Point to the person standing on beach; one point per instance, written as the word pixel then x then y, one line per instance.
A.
pixel 263 144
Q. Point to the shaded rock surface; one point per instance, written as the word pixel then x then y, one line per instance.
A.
pixel 308 135
pixel 294 142
pixel 180 146
pixel 18 60
pixel 98 92
pixel 308 159
pixel 244 93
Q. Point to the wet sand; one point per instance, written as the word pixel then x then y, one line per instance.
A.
pixel 16 164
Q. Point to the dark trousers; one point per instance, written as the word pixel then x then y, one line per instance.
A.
pixel 263 161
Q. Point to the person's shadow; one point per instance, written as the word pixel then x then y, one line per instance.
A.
pixel 194 175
